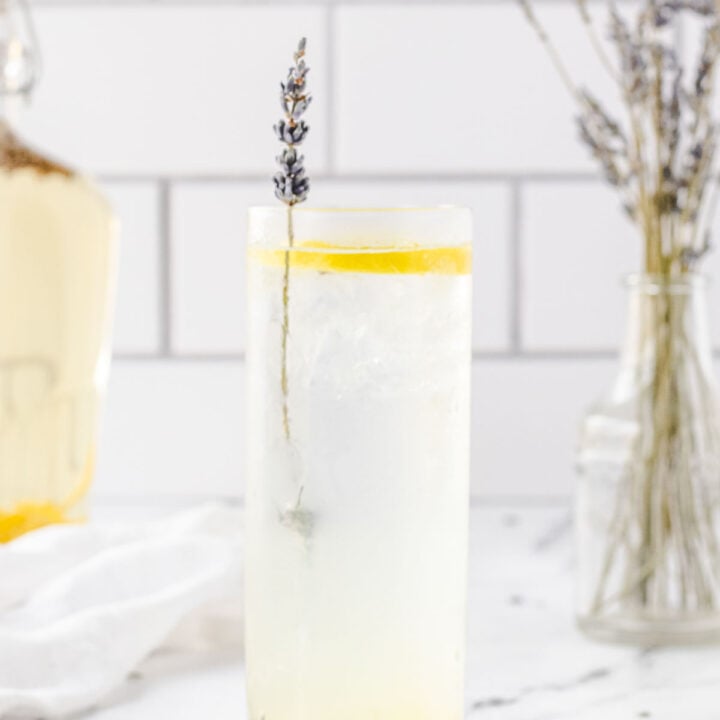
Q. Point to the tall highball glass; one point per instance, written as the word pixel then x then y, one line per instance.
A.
pixel 358 461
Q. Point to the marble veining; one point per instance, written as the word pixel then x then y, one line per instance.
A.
pixel 526 660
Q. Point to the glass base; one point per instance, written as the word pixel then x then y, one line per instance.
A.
pixel 636 630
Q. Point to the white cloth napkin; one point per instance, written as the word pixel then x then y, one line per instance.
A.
pixel 82 606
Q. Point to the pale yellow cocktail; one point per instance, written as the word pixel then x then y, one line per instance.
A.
pixel 359 383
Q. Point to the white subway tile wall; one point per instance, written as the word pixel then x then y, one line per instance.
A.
pixel 171 102
pixel 207 225
pixel 154 90
pixel 576 247
pixel 172 427
pixel 526 416
pixel 137 319
pixel 447 89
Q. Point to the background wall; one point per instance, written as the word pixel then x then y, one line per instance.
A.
pixel 171 105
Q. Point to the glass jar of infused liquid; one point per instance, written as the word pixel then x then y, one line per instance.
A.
pixel 57 258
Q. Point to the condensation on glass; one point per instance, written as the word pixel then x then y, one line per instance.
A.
pixel 358 461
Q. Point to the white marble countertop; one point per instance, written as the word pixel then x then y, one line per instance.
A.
pixel 526 660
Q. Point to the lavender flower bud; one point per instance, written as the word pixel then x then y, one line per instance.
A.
pixel 291 184
pixel 291 134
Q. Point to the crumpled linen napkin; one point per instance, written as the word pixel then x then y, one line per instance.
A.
pixel 82 606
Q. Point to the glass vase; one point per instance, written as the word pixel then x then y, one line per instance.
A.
pixel 57 260
pixel 649 478
pixel 358 460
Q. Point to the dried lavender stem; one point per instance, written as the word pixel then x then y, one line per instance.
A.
pixel 286 327
pixel 710 211
pixel 668 514
pixel 652 256
pixel 551 50
pixel 596 42
pixel 292 187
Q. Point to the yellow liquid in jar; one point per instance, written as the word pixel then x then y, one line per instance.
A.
pixel 57 246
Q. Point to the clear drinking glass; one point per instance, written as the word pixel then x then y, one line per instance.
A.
pixel 648 502
pixel 358 463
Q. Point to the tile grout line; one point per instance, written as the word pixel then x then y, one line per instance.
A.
pixel 408 177
pixel 516 266
pixel 165 298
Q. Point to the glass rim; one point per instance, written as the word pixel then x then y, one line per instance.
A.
pixel 656 283
pixel 360 209
pixel 361 228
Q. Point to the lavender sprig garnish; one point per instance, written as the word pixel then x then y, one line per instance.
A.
pixel 291 183
pixel 291 187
